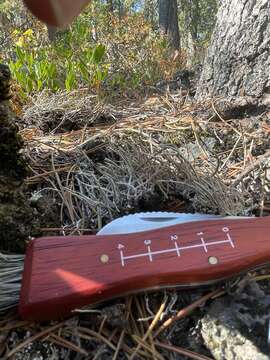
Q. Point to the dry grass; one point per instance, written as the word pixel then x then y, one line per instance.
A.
pixel 157 148
pixel 134 341
pixel 163 149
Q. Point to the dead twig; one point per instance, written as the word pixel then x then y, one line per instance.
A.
pixel 151 327
pixel 84 333
pixel 34 338
pixel 144 345
pixel 181 351
pixel 224 121
pixel 119 345
pixel 258 162
pixel 186 311
pixel 67 344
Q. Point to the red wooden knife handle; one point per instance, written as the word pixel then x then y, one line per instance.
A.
pixel 64 273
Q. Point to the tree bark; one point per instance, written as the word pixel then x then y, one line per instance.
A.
pixel 121 9
pixel 17 219
pixel 150 12
pixel 238 61
pixel 168 22
pixel 52 31
pixel 110 6
pixel 191 49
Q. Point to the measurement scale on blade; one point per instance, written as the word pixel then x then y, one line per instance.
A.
pixel 137 253
pixel 176 249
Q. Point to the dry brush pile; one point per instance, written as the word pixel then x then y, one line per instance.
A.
pixel 92 162
pixel 118 159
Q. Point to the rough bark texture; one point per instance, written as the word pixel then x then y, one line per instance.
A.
pixel 238 61
pixel 16 214
pixel 52 32
pixel 168 22
pixel 110 6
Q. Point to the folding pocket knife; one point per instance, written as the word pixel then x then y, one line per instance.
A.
pixel 137 253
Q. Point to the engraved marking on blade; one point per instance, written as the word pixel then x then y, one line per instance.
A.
pixel 203 244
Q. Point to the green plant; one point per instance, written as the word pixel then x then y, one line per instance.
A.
pixel 99 48
pixel 33 71
pixel 56 66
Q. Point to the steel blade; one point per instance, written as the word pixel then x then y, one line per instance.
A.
pixel 151 220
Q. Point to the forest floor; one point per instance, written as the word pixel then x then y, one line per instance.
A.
pixel 92 162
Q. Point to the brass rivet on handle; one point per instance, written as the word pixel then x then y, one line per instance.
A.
pixel 104 258
pixel 213 260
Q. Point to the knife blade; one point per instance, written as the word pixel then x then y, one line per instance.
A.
pixel 145 221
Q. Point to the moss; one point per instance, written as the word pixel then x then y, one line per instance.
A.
pixel 17 217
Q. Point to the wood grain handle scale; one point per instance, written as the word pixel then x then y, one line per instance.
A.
pixel 64 273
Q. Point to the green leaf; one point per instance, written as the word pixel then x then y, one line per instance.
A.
pixel 98 53
pixel 39 84
pixel 20 54
pixel 70 80
pixel 83 71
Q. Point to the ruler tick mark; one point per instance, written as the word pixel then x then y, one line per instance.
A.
pixel 177 249
pixel 202 240
pixel 174 238
pixel 122 258
pixel 150 254
pixel 226 230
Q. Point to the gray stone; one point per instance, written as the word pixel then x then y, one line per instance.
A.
pixel 236 326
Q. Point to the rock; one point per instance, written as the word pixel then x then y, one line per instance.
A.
pixel 236 326
pixel 115 316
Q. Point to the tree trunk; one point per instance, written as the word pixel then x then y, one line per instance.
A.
pixel 238 61
pixel 110 6
pixel 52 31
pixel 150 12
pixel 121 9
pixel 17 219
pixel 168 22
pixel 191 50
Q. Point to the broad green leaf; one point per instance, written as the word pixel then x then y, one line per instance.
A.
pixel 98 53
